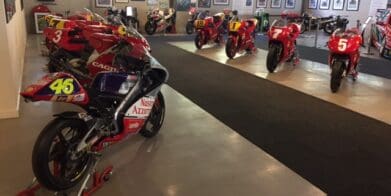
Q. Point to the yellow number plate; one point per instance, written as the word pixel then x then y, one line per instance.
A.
pixel 62 85
pixel 234 26
pixel 199 23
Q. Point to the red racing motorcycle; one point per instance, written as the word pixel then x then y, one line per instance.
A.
pixel 209 29
pixel 115 106
pixel 240 37
pixel 344 55
pixel 282 44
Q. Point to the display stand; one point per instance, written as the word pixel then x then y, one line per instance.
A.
pixel 98 180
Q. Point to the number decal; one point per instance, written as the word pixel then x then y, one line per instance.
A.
pixel 60 86
pixel 342 44
pixel 58 36
pixel 276 33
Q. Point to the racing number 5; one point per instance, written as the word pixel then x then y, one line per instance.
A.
pixel 342 44
pixel 60 85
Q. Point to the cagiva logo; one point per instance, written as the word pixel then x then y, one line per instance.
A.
pixel 102 66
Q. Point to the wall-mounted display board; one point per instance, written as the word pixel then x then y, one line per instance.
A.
pixel 290 4
pixel 204 3
pixel 353 5
pixel 122 1
pixel 261 3
pixel 338 4
pixel 220 2
pixel 10 9
pixel 152 2
pixel 324 4
pixel 275 3
pixel 104 3
pixel 312 4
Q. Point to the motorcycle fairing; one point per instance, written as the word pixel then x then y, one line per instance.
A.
pixel 59 87
pixel 137 114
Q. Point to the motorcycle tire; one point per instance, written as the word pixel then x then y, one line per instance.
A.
pixel 156 118
pixel 328 28
pixel 230 48
pixel 273 58
pixel 150 28
pixel 189 28
pixel 382 50
pixel 337 70
pixel 53 146
pixel 199 42
pixel 56 60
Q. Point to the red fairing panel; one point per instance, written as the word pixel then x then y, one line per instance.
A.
pixel 59 87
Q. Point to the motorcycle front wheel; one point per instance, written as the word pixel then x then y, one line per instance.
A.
pixel 150 28
pixel 155 119
pixel 199 41
pixel 230 48
pixel 273 58
pixel 189 28
pixel 337 69
pixel 56 164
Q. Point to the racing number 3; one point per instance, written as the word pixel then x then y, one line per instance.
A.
pixel 57 38
pixel 62 86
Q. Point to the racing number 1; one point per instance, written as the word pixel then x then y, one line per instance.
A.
pixel 61 85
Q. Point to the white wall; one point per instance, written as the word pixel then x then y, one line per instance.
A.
pixel 12 50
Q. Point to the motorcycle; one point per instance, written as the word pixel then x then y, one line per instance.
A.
pixel 115 105
pixel 190 22
pixel 241 37
pixel 339 22
pixel 208 29
pixel 282 44
pixel 158 21
pixel 344 55
pixel 310 23
pixel 127 17
pixel 95 52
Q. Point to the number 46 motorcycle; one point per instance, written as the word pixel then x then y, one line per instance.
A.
pixel 116 104
pixel 344 55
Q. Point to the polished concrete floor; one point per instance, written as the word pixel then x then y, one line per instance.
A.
pixel 194 154
pixel 369 95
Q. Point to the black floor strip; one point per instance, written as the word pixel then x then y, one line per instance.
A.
pixel 339 151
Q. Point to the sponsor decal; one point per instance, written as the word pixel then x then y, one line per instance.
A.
pixel 141 108
pixel 78 98
pixel 105 67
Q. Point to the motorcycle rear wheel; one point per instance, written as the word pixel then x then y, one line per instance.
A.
pixel 337 70
pixel 150 28
pixel 328 28
pixel 273 58
pixel 199 42
pixel 230 48
pixel 55 163
pixel 189 28
pixel 155 119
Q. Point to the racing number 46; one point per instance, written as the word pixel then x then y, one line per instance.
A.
pixel 62 85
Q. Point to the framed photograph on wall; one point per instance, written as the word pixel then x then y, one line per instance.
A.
pixel 104 3
pixel 183 5
pixel 10 9
pixel 312 4
pixel 353 5
pixel 204 3
pixel 275 4
pixel 261 3
pixel 122 1
pixel 290 4
pixel 220 2
pixel 338 4
pixel 40 22
pixel 152 2
pixel 324 4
